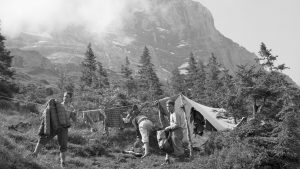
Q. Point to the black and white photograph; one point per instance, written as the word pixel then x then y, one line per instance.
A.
pixel 142 84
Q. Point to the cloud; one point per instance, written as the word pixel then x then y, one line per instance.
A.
pixel 45 16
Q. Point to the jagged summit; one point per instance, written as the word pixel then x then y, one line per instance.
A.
pixel 171 29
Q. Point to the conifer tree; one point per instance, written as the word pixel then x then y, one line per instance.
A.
pixel 199 83
pixel 261 87
pixel 69 86
pixel 102 77
pixel 288 127
pixel 268 59
pixel 191 72
pixel 7 85
pixel 147 78
pixel 144 69
pixel 213 82
pixel 232 100
pixel 62 78
pixel 126 72
pixel 89 67
pixel 125 69
pixel 177 82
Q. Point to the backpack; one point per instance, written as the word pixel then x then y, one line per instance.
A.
pixel 165 141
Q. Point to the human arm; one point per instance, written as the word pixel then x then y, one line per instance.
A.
pixel 136 127
pixel 72 112
pixel 163 118
pixel 174 122
pixel 73 116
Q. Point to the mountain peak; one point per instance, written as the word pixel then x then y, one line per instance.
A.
pixel 171 29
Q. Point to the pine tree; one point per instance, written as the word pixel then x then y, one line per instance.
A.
pixel 125 69
pixel 147 78
pixel 267 59
pixel 69 86
pixel 288 126
pixel 177 82
pixel 191 72
pixel 143 72
pixel 126 72
pixel 155 86
pixel 7 85
pixel 62 78
pixel 267 85
pixel 89 67
pixel 232 100
pixel 102 77
pixel 213 82
pixel 198 89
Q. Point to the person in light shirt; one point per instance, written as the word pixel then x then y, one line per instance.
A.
pixel 143 127
pixel 177 124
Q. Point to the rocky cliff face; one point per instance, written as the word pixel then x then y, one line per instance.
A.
pixel 171 29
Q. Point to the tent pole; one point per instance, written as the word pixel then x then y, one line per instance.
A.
pixel 188 129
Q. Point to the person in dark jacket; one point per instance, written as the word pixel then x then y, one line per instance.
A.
pixel 59 124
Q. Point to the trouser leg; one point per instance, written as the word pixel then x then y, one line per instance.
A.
pixel 62 159
pixel 167 157
pixel 62 138
pixel 177 137
pixel 147 147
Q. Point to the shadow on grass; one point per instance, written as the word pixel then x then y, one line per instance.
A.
pixel 90 150
pixel 76 163
pixel 17 138
pixel 76 138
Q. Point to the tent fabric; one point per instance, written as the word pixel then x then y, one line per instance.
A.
pixel 185 105
pixel 210 114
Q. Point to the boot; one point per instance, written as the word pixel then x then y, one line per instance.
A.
pixel 63 159
pixel 167 160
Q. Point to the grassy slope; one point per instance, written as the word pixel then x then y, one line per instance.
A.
pixel 86 149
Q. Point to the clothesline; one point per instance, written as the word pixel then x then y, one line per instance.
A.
pixel 77 97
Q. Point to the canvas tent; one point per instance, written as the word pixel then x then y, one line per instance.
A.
pixel 188 107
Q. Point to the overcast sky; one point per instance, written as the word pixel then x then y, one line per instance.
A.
pixel 250 22
pixel 247 22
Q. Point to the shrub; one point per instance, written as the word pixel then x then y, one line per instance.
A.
pixel 237 156
pixel 76 138
pixel 5 104
pixel 219 140
pixel 44 81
